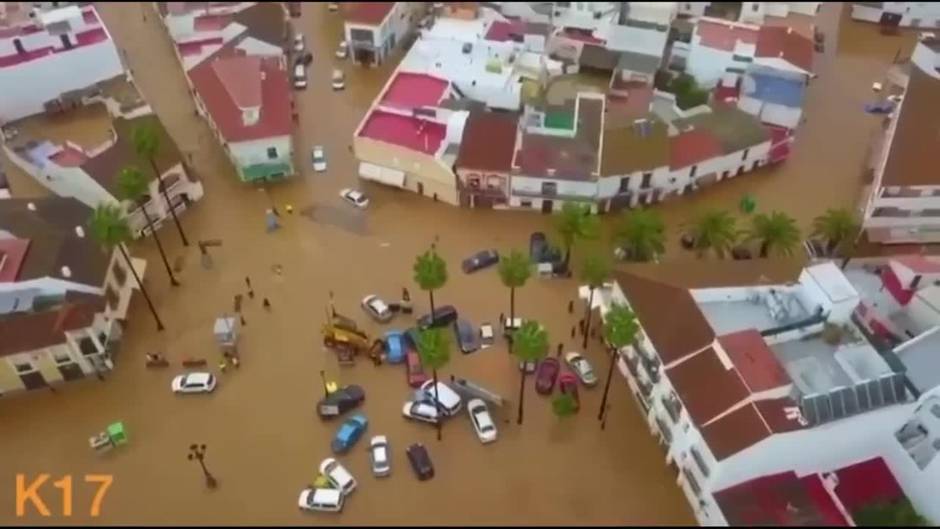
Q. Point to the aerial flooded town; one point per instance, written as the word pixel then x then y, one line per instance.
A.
pixel 470 263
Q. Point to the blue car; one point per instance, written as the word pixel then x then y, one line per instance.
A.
pixel 395 347
pixel 349 433
pixel 880 107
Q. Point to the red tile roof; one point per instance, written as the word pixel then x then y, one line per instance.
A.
pixel 500 31
pixel 413 90
pixel 866 483
pixel 774 413
pixel 919 264
pixel 735 431
pixel 275 118
pixel 706 386
pixel 368 13
pixel 488 143
pixel 757 364
pixel 241 77
pixel 12 253
pixel 405 131
pixel 32 331
pixel 780 500
pixel 783 42
pixel 722 36
pixel 692 147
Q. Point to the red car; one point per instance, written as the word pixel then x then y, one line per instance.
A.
pixel 414 369
pixel 545 376
pixel 568 383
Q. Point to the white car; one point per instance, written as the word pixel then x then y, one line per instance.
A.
pixel 194 383
pixel 299 43
pixel 582 368
pixel 338 82
pixel 319 158
pixel 325 500
pixel 377 309
pixel 332 6
pixel 338 475
pixel 356 198
pixel 380 455
pixel 482 421
pixel 421 411
pixel 448 399
pixel 342 51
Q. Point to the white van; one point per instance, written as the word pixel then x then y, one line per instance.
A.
pixel 326 500
pixel 339 80
pixel 300 76
pixel 449 399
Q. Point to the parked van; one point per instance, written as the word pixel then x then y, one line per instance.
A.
pixel 300 76
pixel 327 500
pixel 339 80
pixel 448 399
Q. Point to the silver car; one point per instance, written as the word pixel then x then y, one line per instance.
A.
pixel 377 309
pixel 380 455
pixel 582 368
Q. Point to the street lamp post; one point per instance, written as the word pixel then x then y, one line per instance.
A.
pixel 326 392
pixel 198 453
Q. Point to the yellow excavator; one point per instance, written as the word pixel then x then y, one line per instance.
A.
pixel 343 336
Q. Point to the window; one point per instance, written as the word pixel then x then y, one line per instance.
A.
pixel 549 188
pixel 61 358
pixel 494 182
pixel 272 153
pixel 693 484
pixel 526 203
pixel 692 172
pixel 23 367
pixel 474 182
pixel 87 346
pixel 624 185
pixel 647 177
pixel 699 461
pixel 111 297
pixel 744 156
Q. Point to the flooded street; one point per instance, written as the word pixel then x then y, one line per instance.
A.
pixel 264 439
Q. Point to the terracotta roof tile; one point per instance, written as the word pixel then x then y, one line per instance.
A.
pixel 489 141
pixel 723 36
pixel 706 386
pixel 759 367
pixel 779 500
pixel 735 431
pixel 241 77
pixel 368 13
pixel 691 147
pixel 785 43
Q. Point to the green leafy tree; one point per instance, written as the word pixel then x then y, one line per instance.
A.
pixel 529 344
pixel 575 223
pixel 620 330
pixel 894 514
pixel 777 233
pixel 688 93
pixel 564 405
pixel 838 228
pixel 430 273
pixel 434 350
pixel 147 146
pixel 595 271
pixel 514 271
pixel 642 234
pixel 109 229
pixel 132 187
pixel 714 230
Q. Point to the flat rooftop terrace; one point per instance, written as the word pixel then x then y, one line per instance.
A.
pixel 727 317
pixel 404 131
pixel 87 126
pixel 413 90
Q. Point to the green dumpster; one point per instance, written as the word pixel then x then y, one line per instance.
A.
pixel 117 434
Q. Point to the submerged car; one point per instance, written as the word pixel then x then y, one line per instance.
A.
pixel 376 308
pixel 568 385
pixel 342 50
pixel 468 339
pixel 545 375
pixel 421 411
pixel 194 383
pixel 479 261
pixel 395 347
pixel 318 157
pixel 414 370
pixel 380 456
pixel 482 420
pixel 338 476
pixel 349 432
pixel 582 368
pixel 340 401
pixel 443 316
pixel 356 198
pixel 324 500
pixel 420 461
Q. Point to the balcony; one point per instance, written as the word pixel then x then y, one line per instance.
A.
pixel 699 461
pixel 645 388
pixel 664 430
pixel 673 407
pixel 555 196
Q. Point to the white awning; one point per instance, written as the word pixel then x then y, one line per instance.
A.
pixel 383 175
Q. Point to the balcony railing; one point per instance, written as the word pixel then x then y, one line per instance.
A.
pixel 673 407
pixel 699 461
pixel 664 430
pixel 554 196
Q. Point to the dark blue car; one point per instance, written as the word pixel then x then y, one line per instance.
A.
pixel 394 347
pixel 349 432
pixel 479 261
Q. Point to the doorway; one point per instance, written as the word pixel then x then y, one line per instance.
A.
pixel 71 371
pixel 33 380
pixel 548 206
pixel 420 188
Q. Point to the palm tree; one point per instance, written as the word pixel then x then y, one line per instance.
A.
pixel 594 271
pixel 430 273
pixel 620 329
pixel 434 350
pixel 514 270
pixel 838 228
pixel 575 223
pixel 109 228
pixel 529 344
pixel 777 233
pixel 132 187
pixel 713 230
pixel 147 145
pixel 642 234
pixel 563 405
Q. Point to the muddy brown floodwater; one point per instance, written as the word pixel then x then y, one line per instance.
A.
pixel 264 440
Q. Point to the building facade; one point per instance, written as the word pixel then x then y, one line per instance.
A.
pixel 374 29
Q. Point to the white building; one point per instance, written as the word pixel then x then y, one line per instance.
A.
pixel 757 375
pixel 903 205
pixel 906 14
pixel 48 57
pixel 233 56
pixel 375 29
pixel 62 300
